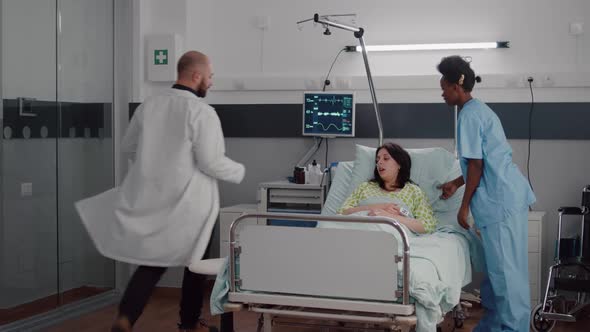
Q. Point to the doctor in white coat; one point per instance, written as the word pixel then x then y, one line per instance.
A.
pixel 163 213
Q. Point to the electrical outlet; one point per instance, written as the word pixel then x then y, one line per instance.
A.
pixel 26 189
pixel 528 80
pixel 538 81
pixel 547 81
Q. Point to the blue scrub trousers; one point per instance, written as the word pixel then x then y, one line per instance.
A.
pixel 505 291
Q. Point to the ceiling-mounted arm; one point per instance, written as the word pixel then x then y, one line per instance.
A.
pixel 358 33
pixel 323 20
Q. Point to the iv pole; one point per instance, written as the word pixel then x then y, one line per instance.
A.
pixel 358 33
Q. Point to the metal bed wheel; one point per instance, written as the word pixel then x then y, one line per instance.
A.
pixel 538 323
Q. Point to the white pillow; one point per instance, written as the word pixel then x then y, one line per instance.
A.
pixel 431 167
pixel 339 189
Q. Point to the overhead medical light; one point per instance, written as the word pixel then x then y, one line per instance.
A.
pixel 430 47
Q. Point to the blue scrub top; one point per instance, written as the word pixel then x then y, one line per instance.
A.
pixel 502 186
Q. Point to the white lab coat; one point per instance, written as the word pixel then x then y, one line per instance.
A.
pixel 165 210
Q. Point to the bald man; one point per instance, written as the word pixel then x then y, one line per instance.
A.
pixel 163 213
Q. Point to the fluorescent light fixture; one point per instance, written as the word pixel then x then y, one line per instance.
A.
pixel 428 47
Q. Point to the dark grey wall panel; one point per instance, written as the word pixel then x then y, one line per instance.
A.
pixel 85 119
pixel 549 120
pixel 408 120
pixel 270 120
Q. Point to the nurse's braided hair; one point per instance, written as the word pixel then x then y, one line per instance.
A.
pixel 457 70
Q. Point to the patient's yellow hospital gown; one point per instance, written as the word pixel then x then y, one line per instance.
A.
pixel 410 194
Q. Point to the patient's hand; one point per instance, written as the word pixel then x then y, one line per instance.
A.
pixel 389 212
pixel 385 206
pixel 391 207
pixel 378 212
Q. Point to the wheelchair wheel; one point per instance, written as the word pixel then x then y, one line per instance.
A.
pixel 538 323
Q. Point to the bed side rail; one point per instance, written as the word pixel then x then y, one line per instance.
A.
pixel 322 218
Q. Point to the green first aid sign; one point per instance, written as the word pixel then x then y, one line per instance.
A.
pixel 160 57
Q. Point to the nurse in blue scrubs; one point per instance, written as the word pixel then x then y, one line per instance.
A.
pixel 499 197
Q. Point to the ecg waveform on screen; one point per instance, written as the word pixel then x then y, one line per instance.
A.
pixel 328 114
pixel 324 128
pixel 345 101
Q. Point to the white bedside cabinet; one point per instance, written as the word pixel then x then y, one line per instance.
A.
pixel 285 197
pixel 227 215
pixel 535 255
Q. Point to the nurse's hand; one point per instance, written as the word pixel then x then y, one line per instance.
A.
pixel 462 217
pixel 448 189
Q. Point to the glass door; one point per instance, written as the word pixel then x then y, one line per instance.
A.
pixel 56 148
pixel 85 165
pixel 28 223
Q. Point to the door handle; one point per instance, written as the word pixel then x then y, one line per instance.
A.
pixel 22 101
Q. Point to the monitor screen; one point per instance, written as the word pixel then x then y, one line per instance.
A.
pixel 328 114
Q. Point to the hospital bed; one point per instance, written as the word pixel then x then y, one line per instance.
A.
pixel 351 271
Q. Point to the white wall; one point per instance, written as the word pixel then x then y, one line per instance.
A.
pixel 153 17
pixel 285 58
pixel 274 65
pixel 540 36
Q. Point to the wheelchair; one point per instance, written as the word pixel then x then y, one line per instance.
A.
pixel 568 287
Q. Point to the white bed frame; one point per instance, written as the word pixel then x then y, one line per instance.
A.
pixel 321 274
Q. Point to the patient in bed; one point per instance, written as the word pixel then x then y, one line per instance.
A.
pixel 391 193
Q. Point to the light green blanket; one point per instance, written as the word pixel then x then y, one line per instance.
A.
pixel 439 267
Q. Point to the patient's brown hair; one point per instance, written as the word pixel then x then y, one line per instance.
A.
pixel 402 157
